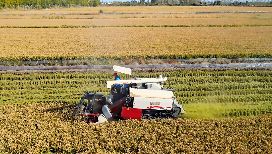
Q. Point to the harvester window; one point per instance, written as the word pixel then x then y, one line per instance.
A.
pixel 87 104
pixel 144 85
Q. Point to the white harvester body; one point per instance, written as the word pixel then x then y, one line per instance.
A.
pixel 152 99
pixel 138 98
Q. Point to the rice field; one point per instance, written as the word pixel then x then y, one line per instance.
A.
pixel 155 19
pixel 124 42
pixel 227 110
pixel 47 34
pixel 204 94
pixel 47 128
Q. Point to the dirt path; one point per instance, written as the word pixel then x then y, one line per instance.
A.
pixel 135 68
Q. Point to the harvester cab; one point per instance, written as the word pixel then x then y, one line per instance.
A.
pixel 138 98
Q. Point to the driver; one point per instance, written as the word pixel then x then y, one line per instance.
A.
pixel 116 78
pixel 116 89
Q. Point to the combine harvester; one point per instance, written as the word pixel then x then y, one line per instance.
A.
pixel 138 98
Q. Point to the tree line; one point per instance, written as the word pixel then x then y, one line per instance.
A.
pixel 193 3
pixel 43 4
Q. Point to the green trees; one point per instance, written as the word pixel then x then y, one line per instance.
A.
pixel 43 4
pixel 1 4
pixel 94 3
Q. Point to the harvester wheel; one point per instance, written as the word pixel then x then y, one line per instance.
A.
pixel 176 112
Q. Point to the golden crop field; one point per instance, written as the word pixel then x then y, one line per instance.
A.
pixel 48 128
pixel 134 41
pixel 138 19
pixel 41 34
pixel 227 110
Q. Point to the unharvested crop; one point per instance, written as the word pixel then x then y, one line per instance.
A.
pixel 36 109
pixel 43 128
pixel 121 42
pixel 133 32
pixel 135 20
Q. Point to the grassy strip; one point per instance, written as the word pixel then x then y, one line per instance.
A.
pixel 94 26
pixel 219 110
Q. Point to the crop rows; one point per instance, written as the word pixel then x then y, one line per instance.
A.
pixel 100 23
pixel 138 20
pixel 36 108
pixel 122 42
pixel 94 26
pixel 134 32
pixel 246 90
pixel 48 128
pixel 245 18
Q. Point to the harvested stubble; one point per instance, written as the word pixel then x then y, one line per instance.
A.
pixel 203 94
pixel 163 42
pixel 42 128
